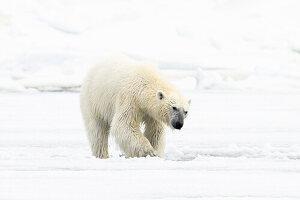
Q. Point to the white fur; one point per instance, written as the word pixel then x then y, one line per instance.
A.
pixel 117 97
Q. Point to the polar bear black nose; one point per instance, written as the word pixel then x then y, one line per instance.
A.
pixel 177 121
pixel 178 125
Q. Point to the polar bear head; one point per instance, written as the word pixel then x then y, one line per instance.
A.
pixel 174 108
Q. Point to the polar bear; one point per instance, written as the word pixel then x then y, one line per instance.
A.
pixel 119 96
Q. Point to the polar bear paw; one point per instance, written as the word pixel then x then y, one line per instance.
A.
pixel 147 151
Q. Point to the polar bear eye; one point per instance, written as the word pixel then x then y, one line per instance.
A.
pixel 174 108
pixel 185 112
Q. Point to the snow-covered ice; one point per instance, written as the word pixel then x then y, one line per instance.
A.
pixel 234 145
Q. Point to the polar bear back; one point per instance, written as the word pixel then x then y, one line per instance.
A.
pixel 107 80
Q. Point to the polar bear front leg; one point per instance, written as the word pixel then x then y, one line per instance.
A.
pixel 129 137
pixel 154 132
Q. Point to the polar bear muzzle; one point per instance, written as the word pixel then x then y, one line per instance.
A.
pixel 177 120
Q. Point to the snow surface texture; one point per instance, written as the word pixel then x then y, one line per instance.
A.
pixel 234 145
pixel 50 44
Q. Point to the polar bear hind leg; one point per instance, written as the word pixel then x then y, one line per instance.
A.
pixel 97 131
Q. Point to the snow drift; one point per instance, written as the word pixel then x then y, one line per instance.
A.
pixel 228 44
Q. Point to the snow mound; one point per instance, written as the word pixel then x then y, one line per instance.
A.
pixel 50 45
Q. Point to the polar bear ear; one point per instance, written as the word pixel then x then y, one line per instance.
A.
pixel 189 101
pixel 160 94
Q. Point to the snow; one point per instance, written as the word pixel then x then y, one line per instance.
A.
pixel 227 44
pixel 234 145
